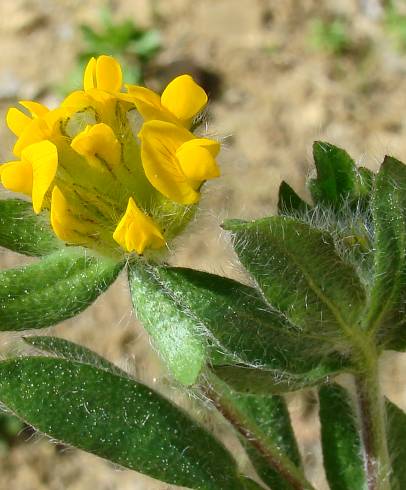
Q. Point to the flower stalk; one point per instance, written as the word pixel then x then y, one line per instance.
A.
pixel 373 425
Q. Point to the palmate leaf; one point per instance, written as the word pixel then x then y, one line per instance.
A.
pixel 60 286
pixel 301 274
pixel 194 317
pixel 116 418
pixel 341 443
pixel 21 230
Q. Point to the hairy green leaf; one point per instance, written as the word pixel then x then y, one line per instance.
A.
pixel 337 176
pixel 183 309
pixel 265 430
pixel 289 202
pixel 174 333
pixel 251 484
pixel 58 287
pixel 395 337
pixel 341 442
pixel 397 445
pixel 366 179
pixel 263 381
pixel 269 415
pixel 389 214
pixel 116 418
pixel 301 274
pixel 66 349
pixel 21 230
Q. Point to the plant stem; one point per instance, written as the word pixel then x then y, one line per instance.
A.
pixel 373 425
pixel 280 463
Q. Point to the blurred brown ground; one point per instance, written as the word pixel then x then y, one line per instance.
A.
pixel 277 95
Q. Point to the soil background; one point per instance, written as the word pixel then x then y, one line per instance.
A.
pixel 273 92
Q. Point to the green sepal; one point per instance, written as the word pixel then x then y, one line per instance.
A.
pixel 25 232
pixel 302 275
pixel 341 443
pixel 289 202
pixel 66 349
pixel 397 444
pixel 58 287
pixel 217 320
pixel 116 418
pixel 389 216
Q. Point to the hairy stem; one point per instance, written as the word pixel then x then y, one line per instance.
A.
pixel 373 425
pixel 280 463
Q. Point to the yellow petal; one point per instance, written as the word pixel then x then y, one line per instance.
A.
pixel 36 109
pixel 17 121
pixel 137 231
pixel 64 224
pixel 196 159
pixel 43 157
pixel 184 98
pixel 148 104
pixel 40 128
pixel 89 78
pixel 159 142
pixel 103 73
pixel 78 100
pixel 108 74
pixel 17 177
pixel 31 134
pixel 98 141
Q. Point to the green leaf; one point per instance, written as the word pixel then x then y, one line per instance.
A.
pixel 265 431
pixel 289 202
pixel 395 338
pixel 59 347
pixel 336 175
pixel 263 381
pixel 21 230
pixel 270 417
pixel 366 179
pixel 251 484
pixel 389 208
pixel 340 440
pixel 397 446
pixel 301 274
pixel 116 418
pixel 189 312
pixel 174 333
pixel 60 286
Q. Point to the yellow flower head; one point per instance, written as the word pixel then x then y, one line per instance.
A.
pixel 105 186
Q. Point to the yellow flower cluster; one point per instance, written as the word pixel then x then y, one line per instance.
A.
pixel 113 168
